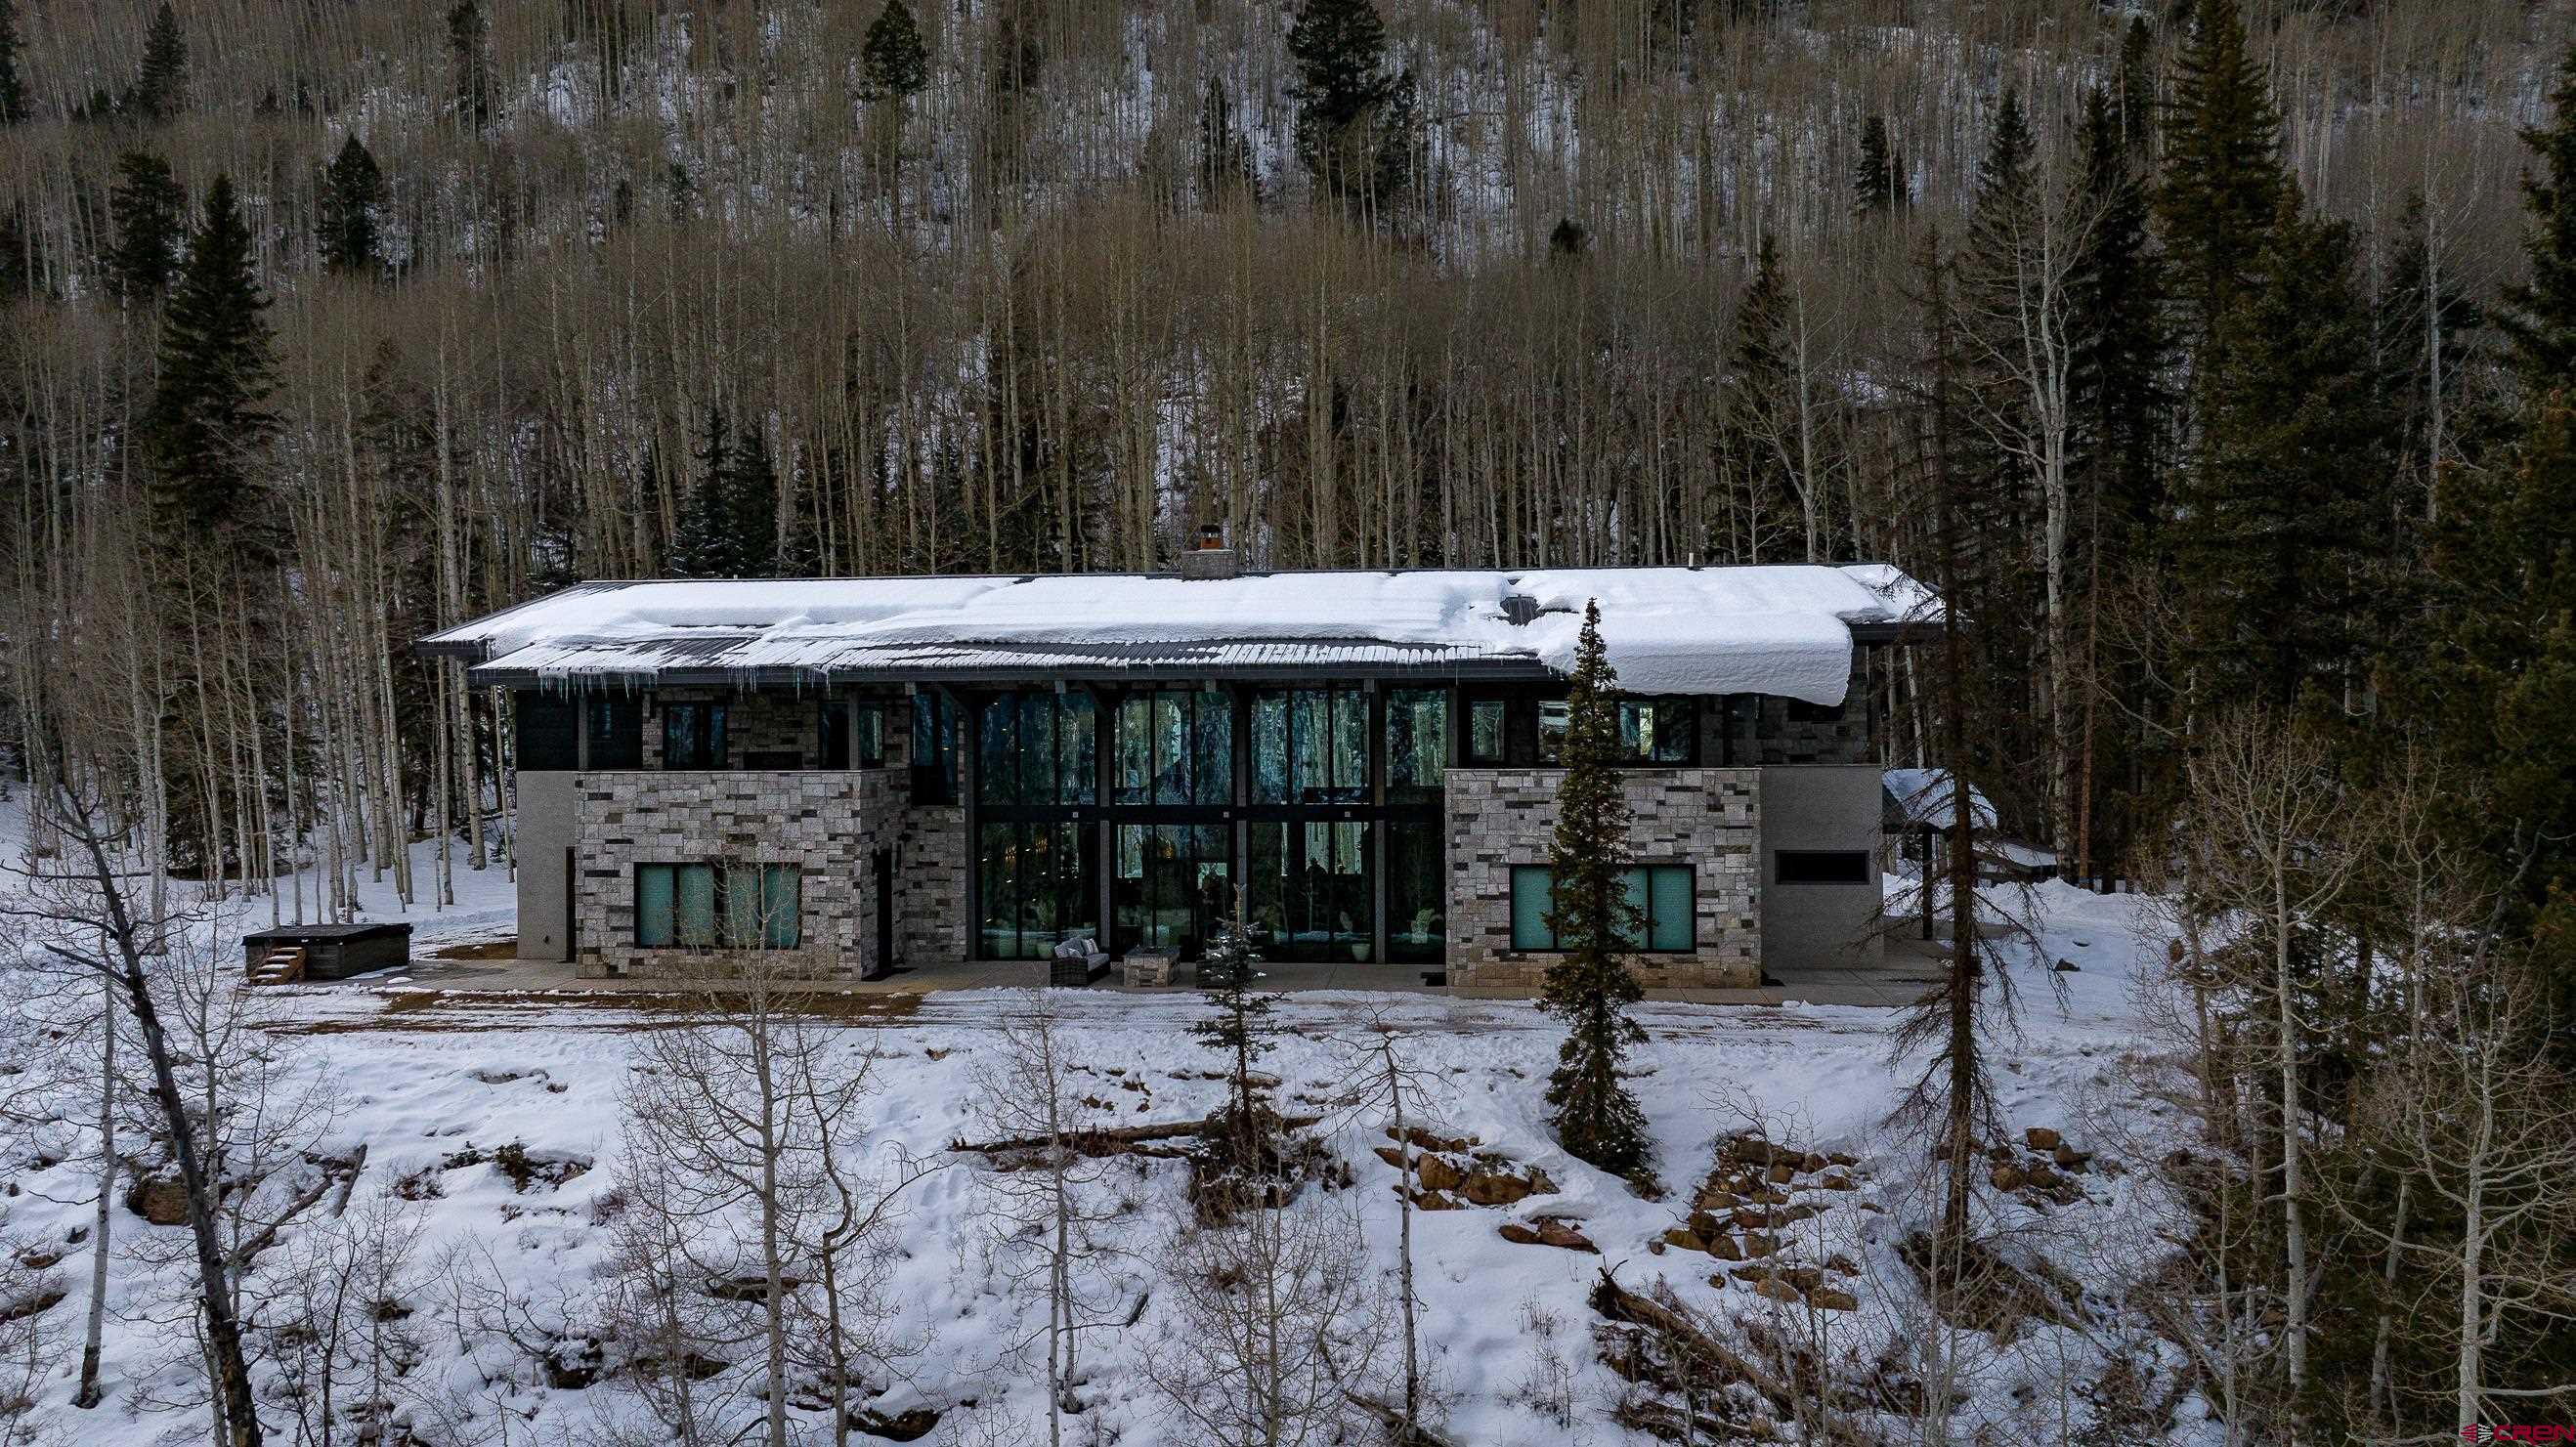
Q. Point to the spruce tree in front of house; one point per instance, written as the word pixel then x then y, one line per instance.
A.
pixel 209 413
pixel 1239 1032
pixel 1594 922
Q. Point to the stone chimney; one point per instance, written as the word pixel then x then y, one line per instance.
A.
pixel 1211 559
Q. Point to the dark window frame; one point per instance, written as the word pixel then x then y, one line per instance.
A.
pixel 932 751
pixel 714 746
pixel 1835 878
pixel 613 731
pixel 720 871
pixel 1685 706
pixel 1501 710
pixel 1690 908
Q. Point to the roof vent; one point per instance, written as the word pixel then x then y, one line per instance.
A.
pixel 1520 609
pixel 1211 559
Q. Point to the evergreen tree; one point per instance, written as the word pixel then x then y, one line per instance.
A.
pixel 1874 176
pixel 1569 240
pixel 471 73
pixel 751 507
pixel 2501 683
pixel 2540 315
pixel 2137 119
pixel 161 89
pixel 2279 538
pixel 2223 181
pixel 208 417
pixel 17 265
pixel 353 196
pixel 1355 116
pixel 148 210
pixel 1240 1032
pixel 893 57
pixel 2428 329
pixel 15 104
pixel 1225 158
pixel 702 542
pixel 1594 921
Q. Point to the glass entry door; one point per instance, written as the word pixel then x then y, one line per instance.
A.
pixel 1173 884
pixel 1311 889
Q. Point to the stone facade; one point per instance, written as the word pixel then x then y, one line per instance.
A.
pixel 827 824
pixel 1708 818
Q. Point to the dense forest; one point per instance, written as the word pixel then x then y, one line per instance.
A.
pixel 2211 357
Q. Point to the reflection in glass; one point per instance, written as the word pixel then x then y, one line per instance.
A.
pixel 1035 886
pixel 1417 744
pixel 1417 893
pixel 1485 731
pixel 1173 884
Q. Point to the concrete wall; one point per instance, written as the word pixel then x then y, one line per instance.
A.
pixel 826 824
pixel 543 840
pixel 1709 818
pixel 1824 808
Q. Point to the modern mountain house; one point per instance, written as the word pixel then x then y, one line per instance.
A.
pixel 882 773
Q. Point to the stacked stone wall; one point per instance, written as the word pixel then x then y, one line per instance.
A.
pixel 1706 818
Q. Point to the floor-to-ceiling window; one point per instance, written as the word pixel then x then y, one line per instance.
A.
pixel 1171 791
pixel 1036 858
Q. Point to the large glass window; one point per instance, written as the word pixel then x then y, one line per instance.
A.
pixel 709 906
pixel 1037 749
pixel 1309 890
pixel 1036 886
pixel 693 736
pixel 849 734
pixel 1651 730
pixel 1417 892
pixel 934 749
pixel 616 731
pixel 1661 893
pixel 549 732
pixel 1174 747
pixel 1172 885
pixel 1417 744
pixel 1485 730
pixel 1310 746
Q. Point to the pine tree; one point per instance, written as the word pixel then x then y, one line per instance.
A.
pixel 161 89
pixel 208 417
pixel 471 73
pixel 15 103
pixel 1874 178
pixel 1761 392
pixel 2279 537
pixel 2137 84
pixel 2501 683
pixel 148 210
pixel 1240 1032
pixel 893 57
pixel 1225 158
pixel 17 266
pixel 702 543
pixel 2223 181
pixel 1355 117
pixel 353 196
pixel 2540 315
pixel 751 507
pixel 1594 920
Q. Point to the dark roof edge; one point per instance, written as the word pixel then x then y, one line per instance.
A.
pixel 1497 669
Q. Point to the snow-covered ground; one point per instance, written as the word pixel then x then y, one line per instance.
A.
pixel 1508 1325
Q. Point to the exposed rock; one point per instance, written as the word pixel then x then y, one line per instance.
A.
pixel 1840 1159
pixel 1778 1290
pixel 1758 1243
pixel 2008 1178
pixel 1781 1173
pixel 1548 1231
pixel 2041 1138
pixel 1812 1163
pixel 161 1200
pixel 1828 1298
pixel 1437 1201
pixel 909 1426
pixel 1839 1183
pixel 2071 1159
pixel 1724 1248
pixel 1501 1188
pixel 1439 1173
pixel 1705 1226
pixel 1681 1237
pixel 1770 1198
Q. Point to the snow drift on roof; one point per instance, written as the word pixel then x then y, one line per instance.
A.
pixel 1780 630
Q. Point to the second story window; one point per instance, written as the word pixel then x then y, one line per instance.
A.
pixel 1651 730
pixel 693 736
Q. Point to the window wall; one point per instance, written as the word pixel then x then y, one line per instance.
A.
pixel 1174 746
pixel 1666 918
pixel 1310 746
pixel 1037 885
pixel 1038 749
pixel 1174 882
pixel 1310 889
pixel 718 906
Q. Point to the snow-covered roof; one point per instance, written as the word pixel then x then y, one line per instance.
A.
pixel 1785 629
pixel 1922 797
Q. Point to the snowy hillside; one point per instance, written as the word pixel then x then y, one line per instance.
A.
pixel 471 1155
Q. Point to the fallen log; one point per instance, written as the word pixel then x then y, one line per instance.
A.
pixel 1093 1140
pixel 1619 1304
